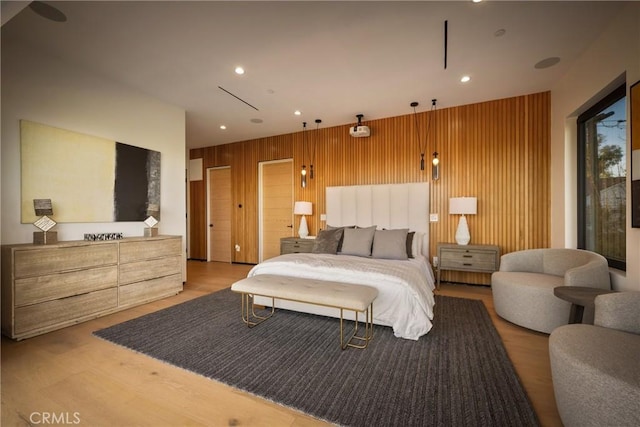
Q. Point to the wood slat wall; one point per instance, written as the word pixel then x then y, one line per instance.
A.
pixel 497 151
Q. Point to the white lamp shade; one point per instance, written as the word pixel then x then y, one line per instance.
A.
pixel 303 208
pixel 463 205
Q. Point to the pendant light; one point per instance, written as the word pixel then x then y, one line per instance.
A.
pixel 435 162
pixel 303 172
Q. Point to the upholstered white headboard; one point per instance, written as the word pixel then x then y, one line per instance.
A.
pixel 385 206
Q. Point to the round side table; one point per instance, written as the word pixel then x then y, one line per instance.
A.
pixel 580 298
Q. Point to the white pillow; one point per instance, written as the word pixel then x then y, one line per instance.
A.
pixel 416 245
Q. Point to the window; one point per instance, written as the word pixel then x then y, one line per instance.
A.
pixel 602 136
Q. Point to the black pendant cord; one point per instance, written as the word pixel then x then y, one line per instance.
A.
pixel 415 121
pixel 426 137
pixel 431 114
pixel 312 155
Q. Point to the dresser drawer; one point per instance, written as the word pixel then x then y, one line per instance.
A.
pixel 151 269
pixel 36 262
pixel 66 310
pixel 149 249
pixel 33 290
pixel 148 290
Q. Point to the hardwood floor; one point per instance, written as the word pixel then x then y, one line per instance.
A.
pixel 71 377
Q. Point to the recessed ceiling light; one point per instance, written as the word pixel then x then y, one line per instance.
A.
pixel 476 1
pixel 499 33
pixel 223 127
pixel 547 62
pixel 256 121
pixel 239 70
pixel 465 79
pixel 297 112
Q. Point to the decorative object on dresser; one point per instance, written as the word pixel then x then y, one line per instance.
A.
pixel 45 288
pixel 303 208
pixel 151 230
pixel 294 245
pixel 472 258
pixel 43 207
pixel 463 206
pixel 92 237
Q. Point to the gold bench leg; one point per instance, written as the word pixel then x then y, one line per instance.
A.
pixel 368 330
pixel 249 316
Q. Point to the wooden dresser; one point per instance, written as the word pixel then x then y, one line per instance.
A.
pixel 48 287
pixel 294 245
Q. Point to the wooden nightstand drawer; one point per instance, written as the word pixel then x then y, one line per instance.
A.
pixel 467 259
pixel 293 245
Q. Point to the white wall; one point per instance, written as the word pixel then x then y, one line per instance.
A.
pixel 614 53
pixel 42 89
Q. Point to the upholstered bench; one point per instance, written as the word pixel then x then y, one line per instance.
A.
pixel 356 298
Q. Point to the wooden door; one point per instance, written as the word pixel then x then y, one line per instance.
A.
pixel 276 206
pixel 219 215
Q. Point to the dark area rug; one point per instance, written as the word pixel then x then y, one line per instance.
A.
pixel 457 375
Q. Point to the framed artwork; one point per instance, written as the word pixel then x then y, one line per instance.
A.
pixel 87 178
pixel 635 154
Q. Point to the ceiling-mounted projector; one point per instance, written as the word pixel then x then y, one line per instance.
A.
pixel 359 131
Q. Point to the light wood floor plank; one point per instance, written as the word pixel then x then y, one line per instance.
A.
pixel 70 371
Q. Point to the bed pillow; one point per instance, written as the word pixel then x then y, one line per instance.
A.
pixel 416 245
pixel 409 245
pixel 330 227
pixel 390 244
pixel 358 241
pixel 327 241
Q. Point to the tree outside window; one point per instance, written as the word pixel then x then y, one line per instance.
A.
pixel 602 179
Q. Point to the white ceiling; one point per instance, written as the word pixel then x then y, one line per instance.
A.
pixel 330 60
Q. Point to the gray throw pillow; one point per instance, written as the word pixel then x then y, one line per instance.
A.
pixel 390 244
pixel 410 253
pixel 327 241
pixel 357 241
pixel 330 227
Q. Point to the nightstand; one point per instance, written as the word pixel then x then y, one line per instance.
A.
pixel 294 245
pixel 473 258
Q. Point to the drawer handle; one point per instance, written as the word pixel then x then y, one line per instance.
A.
pixel 467 256
pixel 467 264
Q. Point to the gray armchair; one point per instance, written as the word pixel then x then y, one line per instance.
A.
pixel 523 288
pixel 596 368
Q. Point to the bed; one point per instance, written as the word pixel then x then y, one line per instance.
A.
pixel 388 214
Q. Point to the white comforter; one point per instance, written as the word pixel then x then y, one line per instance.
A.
pixel 405 288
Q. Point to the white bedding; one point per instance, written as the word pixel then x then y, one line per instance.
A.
pixel 405 288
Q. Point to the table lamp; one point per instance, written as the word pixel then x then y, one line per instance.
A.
pixel 463 206
pixel 303 208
